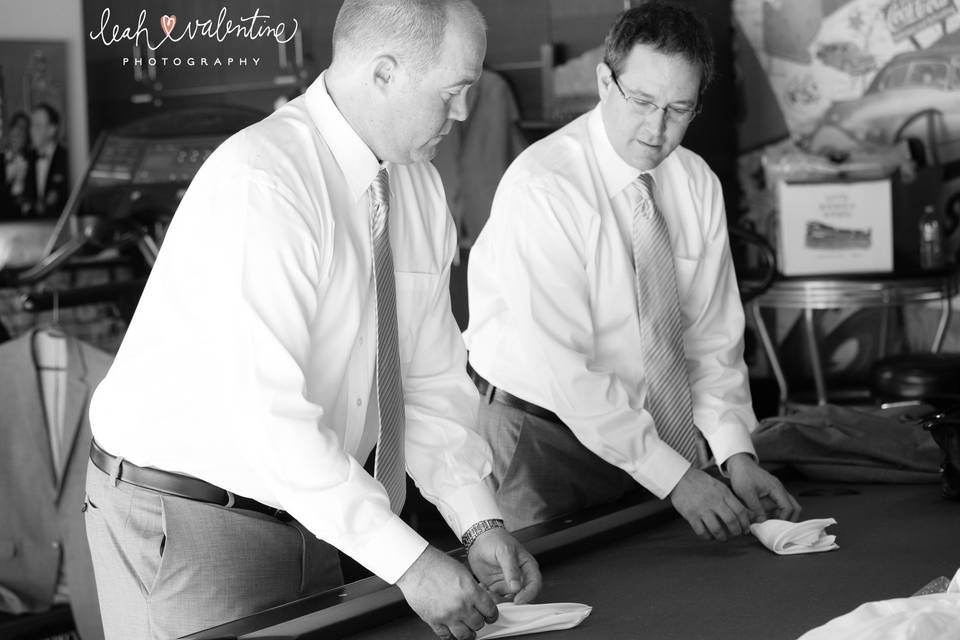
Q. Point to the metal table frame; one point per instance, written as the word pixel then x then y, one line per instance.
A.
pixel 810 294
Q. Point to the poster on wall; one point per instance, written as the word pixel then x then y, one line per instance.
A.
pixel 837 63
pixel 846 76
pixel 33 114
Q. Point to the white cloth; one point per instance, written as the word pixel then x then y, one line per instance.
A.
pixel 553 315
pixel 521 619
pixel 929 617
pixel 250 360
pixel 789 538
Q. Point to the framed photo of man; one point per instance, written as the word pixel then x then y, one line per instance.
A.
pixel 34 162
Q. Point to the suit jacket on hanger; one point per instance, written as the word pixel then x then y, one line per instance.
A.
pixel 41 523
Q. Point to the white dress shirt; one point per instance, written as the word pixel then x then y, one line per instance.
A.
pixel 251 357
pixel 553 307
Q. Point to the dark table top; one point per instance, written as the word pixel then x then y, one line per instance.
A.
pixel 648 576
pixel 663 582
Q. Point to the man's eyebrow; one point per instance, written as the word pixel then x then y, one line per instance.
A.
pixel 461 83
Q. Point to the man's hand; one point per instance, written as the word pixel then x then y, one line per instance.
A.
pixel 763 494
pixel 444 594
pixel 709 506
pixel 504 567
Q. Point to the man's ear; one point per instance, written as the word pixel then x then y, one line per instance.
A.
pixel 604 79
pixel 385 68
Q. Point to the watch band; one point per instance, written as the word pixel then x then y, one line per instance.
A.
pixel 470 535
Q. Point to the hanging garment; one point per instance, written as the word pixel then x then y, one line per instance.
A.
pixel 42 532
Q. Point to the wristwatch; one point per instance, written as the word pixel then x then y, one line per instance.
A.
pixel 470 535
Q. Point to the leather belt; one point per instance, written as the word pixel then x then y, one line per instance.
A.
pixel 176 484
pixel 492 393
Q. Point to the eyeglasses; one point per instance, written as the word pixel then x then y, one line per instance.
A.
pixel 645 108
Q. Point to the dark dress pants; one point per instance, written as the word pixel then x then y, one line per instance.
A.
pixel 541 470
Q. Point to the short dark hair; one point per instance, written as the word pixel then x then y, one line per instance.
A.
pixel 19 116
pixel 52 114
pixel 669 27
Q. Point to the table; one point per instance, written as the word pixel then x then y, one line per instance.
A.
pixel 647 576
pixel 853 291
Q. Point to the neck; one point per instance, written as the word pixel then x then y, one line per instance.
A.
pixel 354 102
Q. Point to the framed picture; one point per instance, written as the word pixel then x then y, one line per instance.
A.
pixel 34 161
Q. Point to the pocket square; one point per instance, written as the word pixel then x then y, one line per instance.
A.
pixel 520 619
pixel 787 538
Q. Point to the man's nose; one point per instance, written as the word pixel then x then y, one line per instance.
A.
pixel 458 107
pixel 656 121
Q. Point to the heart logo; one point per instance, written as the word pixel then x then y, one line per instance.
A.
pixel 167 23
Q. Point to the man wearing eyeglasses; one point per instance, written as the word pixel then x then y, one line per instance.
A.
pixel 606 330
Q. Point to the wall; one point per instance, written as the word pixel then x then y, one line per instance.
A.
pixel 56 20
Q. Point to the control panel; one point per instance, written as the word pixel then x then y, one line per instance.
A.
pixel 144 161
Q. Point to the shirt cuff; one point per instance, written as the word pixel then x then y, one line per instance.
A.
pixel 661 470
pixel 722 466
pixel 724 448
pixel 468 505
pixel 389 551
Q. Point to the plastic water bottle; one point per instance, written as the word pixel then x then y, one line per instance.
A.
pixel 931 239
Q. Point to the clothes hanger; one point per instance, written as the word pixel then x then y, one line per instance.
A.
pixel 49 342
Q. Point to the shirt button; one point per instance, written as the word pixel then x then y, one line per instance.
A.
pixel 360 341
pixel 359 402
pixel 55 544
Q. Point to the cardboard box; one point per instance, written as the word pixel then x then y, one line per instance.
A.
pixel 835 227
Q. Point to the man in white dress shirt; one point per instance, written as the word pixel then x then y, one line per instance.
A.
pixel 555 318
pixel 246 385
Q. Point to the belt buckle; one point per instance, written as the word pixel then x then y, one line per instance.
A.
pixel 231 499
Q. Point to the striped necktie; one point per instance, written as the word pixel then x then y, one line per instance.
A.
pixel 389 467
pixel 661 327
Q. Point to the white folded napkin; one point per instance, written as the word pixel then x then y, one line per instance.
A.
pixel 787 538
pixel 520 619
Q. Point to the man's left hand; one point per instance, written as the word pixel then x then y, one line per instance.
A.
pixel 504 567
pixel 760 491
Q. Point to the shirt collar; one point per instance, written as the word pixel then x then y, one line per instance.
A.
pixel 616 173
pixel 356 160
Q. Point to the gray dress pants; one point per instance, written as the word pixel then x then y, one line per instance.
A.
pixel 166 566
pixel 541 470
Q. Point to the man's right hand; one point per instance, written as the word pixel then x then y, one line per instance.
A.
pixel 709 506
pixel 446 595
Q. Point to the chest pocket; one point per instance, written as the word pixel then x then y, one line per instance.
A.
pixel 415 292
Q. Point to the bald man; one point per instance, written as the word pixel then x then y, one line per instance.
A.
pixel 275 346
